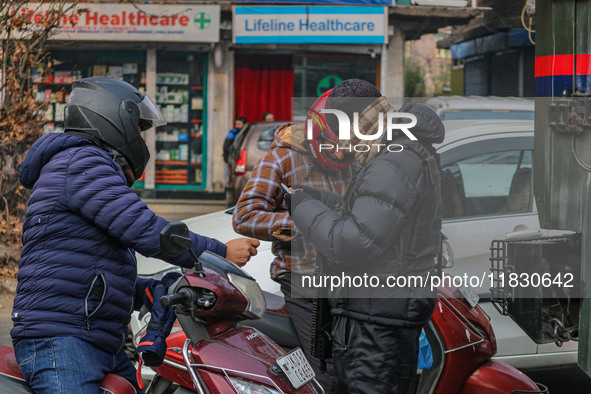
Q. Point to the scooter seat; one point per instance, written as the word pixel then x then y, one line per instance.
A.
pixel 275 304
pixel 276 323
pixel 115 384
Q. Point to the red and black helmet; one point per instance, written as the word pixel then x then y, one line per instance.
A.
pixel 321 133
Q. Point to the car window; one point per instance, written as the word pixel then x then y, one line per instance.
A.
pixel 488 184
pixel 266 138
pixel 471 114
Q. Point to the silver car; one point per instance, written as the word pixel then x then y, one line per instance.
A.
pixel 480 107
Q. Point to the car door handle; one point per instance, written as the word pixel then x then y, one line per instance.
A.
pixel 523 234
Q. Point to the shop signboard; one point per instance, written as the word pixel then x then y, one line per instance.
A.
pixel 310 25
pixel 132 22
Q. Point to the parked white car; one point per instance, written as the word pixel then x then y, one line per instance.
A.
pixel 486 195
pixel 481 107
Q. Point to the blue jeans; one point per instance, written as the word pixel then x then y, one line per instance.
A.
pixel 67 365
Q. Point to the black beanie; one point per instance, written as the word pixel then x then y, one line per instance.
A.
pixel 355 88
pixel 350 88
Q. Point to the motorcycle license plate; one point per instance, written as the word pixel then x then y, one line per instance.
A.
pixel 470 295
pixel 296 367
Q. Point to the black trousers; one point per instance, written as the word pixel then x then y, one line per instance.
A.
pixel 299 306
pixel 371 358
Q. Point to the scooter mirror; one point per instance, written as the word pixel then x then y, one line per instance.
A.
pixel 175 238
pixel 447 255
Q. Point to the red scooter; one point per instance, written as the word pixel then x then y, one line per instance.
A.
pixel 462 343
pixel 213 353
pixel 210 352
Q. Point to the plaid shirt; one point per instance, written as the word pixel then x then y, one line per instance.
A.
pixel 261 212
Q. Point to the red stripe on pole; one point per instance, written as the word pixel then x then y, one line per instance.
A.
pixel 583 64
pixel 555 65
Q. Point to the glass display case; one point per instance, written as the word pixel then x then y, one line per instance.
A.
pixel 180 145
pixel 54 84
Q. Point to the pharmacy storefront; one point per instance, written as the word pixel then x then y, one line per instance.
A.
pixel 164 51
pixel 285 51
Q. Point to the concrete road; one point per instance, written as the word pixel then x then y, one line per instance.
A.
pixel 567 380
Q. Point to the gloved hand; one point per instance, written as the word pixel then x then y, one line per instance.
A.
pixel 152 346
pixel 145 289
pixel 169 279
pixel 294 199
pixel 314 193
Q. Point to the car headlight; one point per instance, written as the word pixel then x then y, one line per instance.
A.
pixel 245 387
pixel 252 292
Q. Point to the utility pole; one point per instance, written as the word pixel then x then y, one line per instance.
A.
pixel 562 159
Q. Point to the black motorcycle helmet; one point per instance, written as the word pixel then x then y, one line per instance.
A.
pixel 114 112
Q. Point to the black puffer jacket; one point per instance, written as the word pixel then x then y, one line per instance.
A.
pixel 387 223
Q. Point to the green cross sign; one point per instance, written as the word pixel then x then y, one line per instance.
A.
pixel 202 20
pixel 327 83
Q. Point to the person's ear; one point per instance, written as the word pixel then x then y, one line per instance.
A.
pixel 129 176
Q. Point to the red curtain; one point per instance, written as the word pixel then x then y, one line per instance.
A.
pixel 263 83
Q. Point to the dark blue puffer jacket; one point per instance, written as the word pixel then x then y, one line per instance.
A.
pixel 78 270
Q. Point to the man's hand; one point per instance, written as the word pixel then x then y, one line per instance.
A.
pixel 294 199
pixel 241 249
pixel 315 193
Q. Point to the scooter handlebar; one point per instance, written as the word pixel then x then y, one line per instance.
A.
pixel 184 296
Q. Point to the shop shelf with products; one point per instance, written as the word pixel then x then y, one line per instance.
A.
pixel 52 83
pixel 179 162
pixel 53 86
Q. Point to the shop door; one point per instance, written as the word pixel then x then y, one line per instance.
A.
pixel 263 83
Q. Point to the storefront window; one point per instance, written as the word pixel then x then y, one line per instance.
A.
pixel 181 144
pixel 54 84
pixel 314 75
pixel 180 91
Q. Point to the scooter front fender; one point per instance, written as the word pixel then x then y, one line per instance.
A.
pixel 241 352
pixel 494 377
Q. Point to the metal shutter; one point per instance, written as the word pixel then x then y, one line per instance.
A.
pixel 504 76
pixel 476 76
